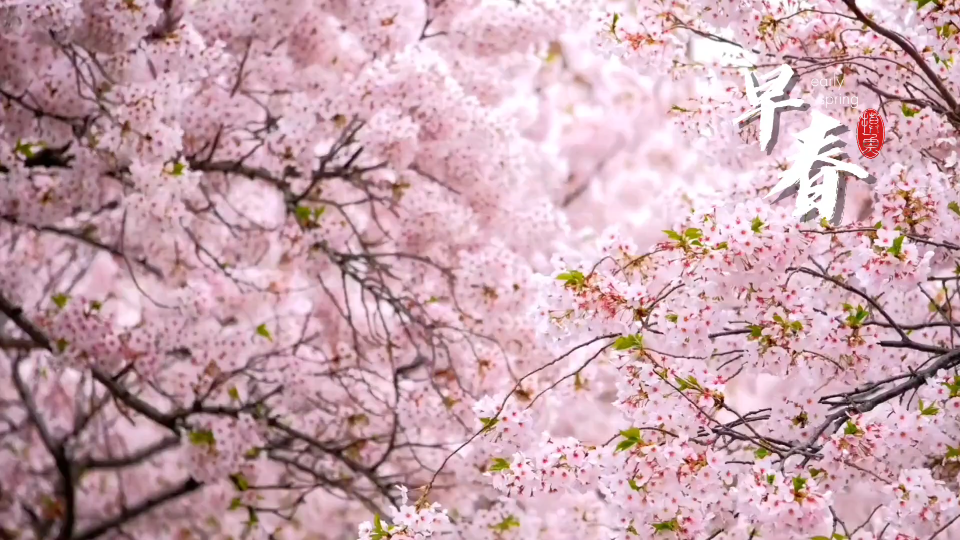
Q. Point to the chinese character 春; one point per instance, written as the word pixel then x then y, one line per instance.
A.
pixel 818 147
pixel 761 94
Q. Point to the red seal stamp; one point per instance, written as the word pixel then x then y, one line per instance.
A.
pixel 870 133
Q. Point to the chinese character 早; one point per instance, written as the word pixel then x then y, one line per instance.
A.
pixel 762 92
pixel 818 147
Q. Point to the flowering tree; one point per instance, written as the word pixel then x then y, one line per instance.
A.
pixel 260 257
pixel 773 378
pixel 267 263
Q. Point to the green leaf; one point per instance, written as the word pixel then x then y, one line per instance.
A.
pixel 626 343
pixel 816 472
pixel 252 515
pixel 857 318
pixel 672 317
pixel 508 523
pixel 234 393
pixel 633 485
pixel 954 387
pixel 757 225
pixel 723 245
pixel 771 478
pixel 500 464
pixel 952 453
pixel 666 526
pixel 673 235
pixel 27 149
pixel 302 213
pixel 60 300
pixel 613 25
pixel 897 248
pixel 631 438
pixel 761 453
pixel 954 207
pixel 930 410
pixel 907 111
pixel 690 383
pixel 693 234
pixel 62 345
pixel 625 444
pixel 235 503
pixel 263 331
pixel 240 481
pixel 488 423
pixel 799 484
pixel 947 31
pixel 573 278
pixel 851 429
pixel 178 169
pixel 755 331
pixel 202 438
pixel 378 532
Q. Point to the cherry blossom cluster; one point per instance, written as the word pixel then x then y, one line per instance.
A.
pixel 768 377
pixel 265 260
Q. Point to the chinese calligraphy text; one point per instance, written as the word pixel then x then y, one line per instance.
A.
pixel 816 168
pixel 765 94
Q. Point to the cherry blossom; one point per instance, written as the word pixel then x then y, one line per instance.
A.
pixel 478 269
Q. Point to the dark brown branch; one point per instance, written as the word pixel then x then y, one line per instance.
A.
pixel 911 52
pixel 140 509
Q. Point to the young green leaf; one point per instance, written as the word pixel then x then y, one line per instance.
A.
pixel 264 332
pixel 202 438
pixel 897 248
pixel 626 343
pixel 674 235
pixel 666 526
pixel 573 278
pixel 488 423
pixel 508 523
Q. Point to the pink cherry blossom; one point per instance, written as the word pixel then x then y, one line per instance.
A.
pixel 478 269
